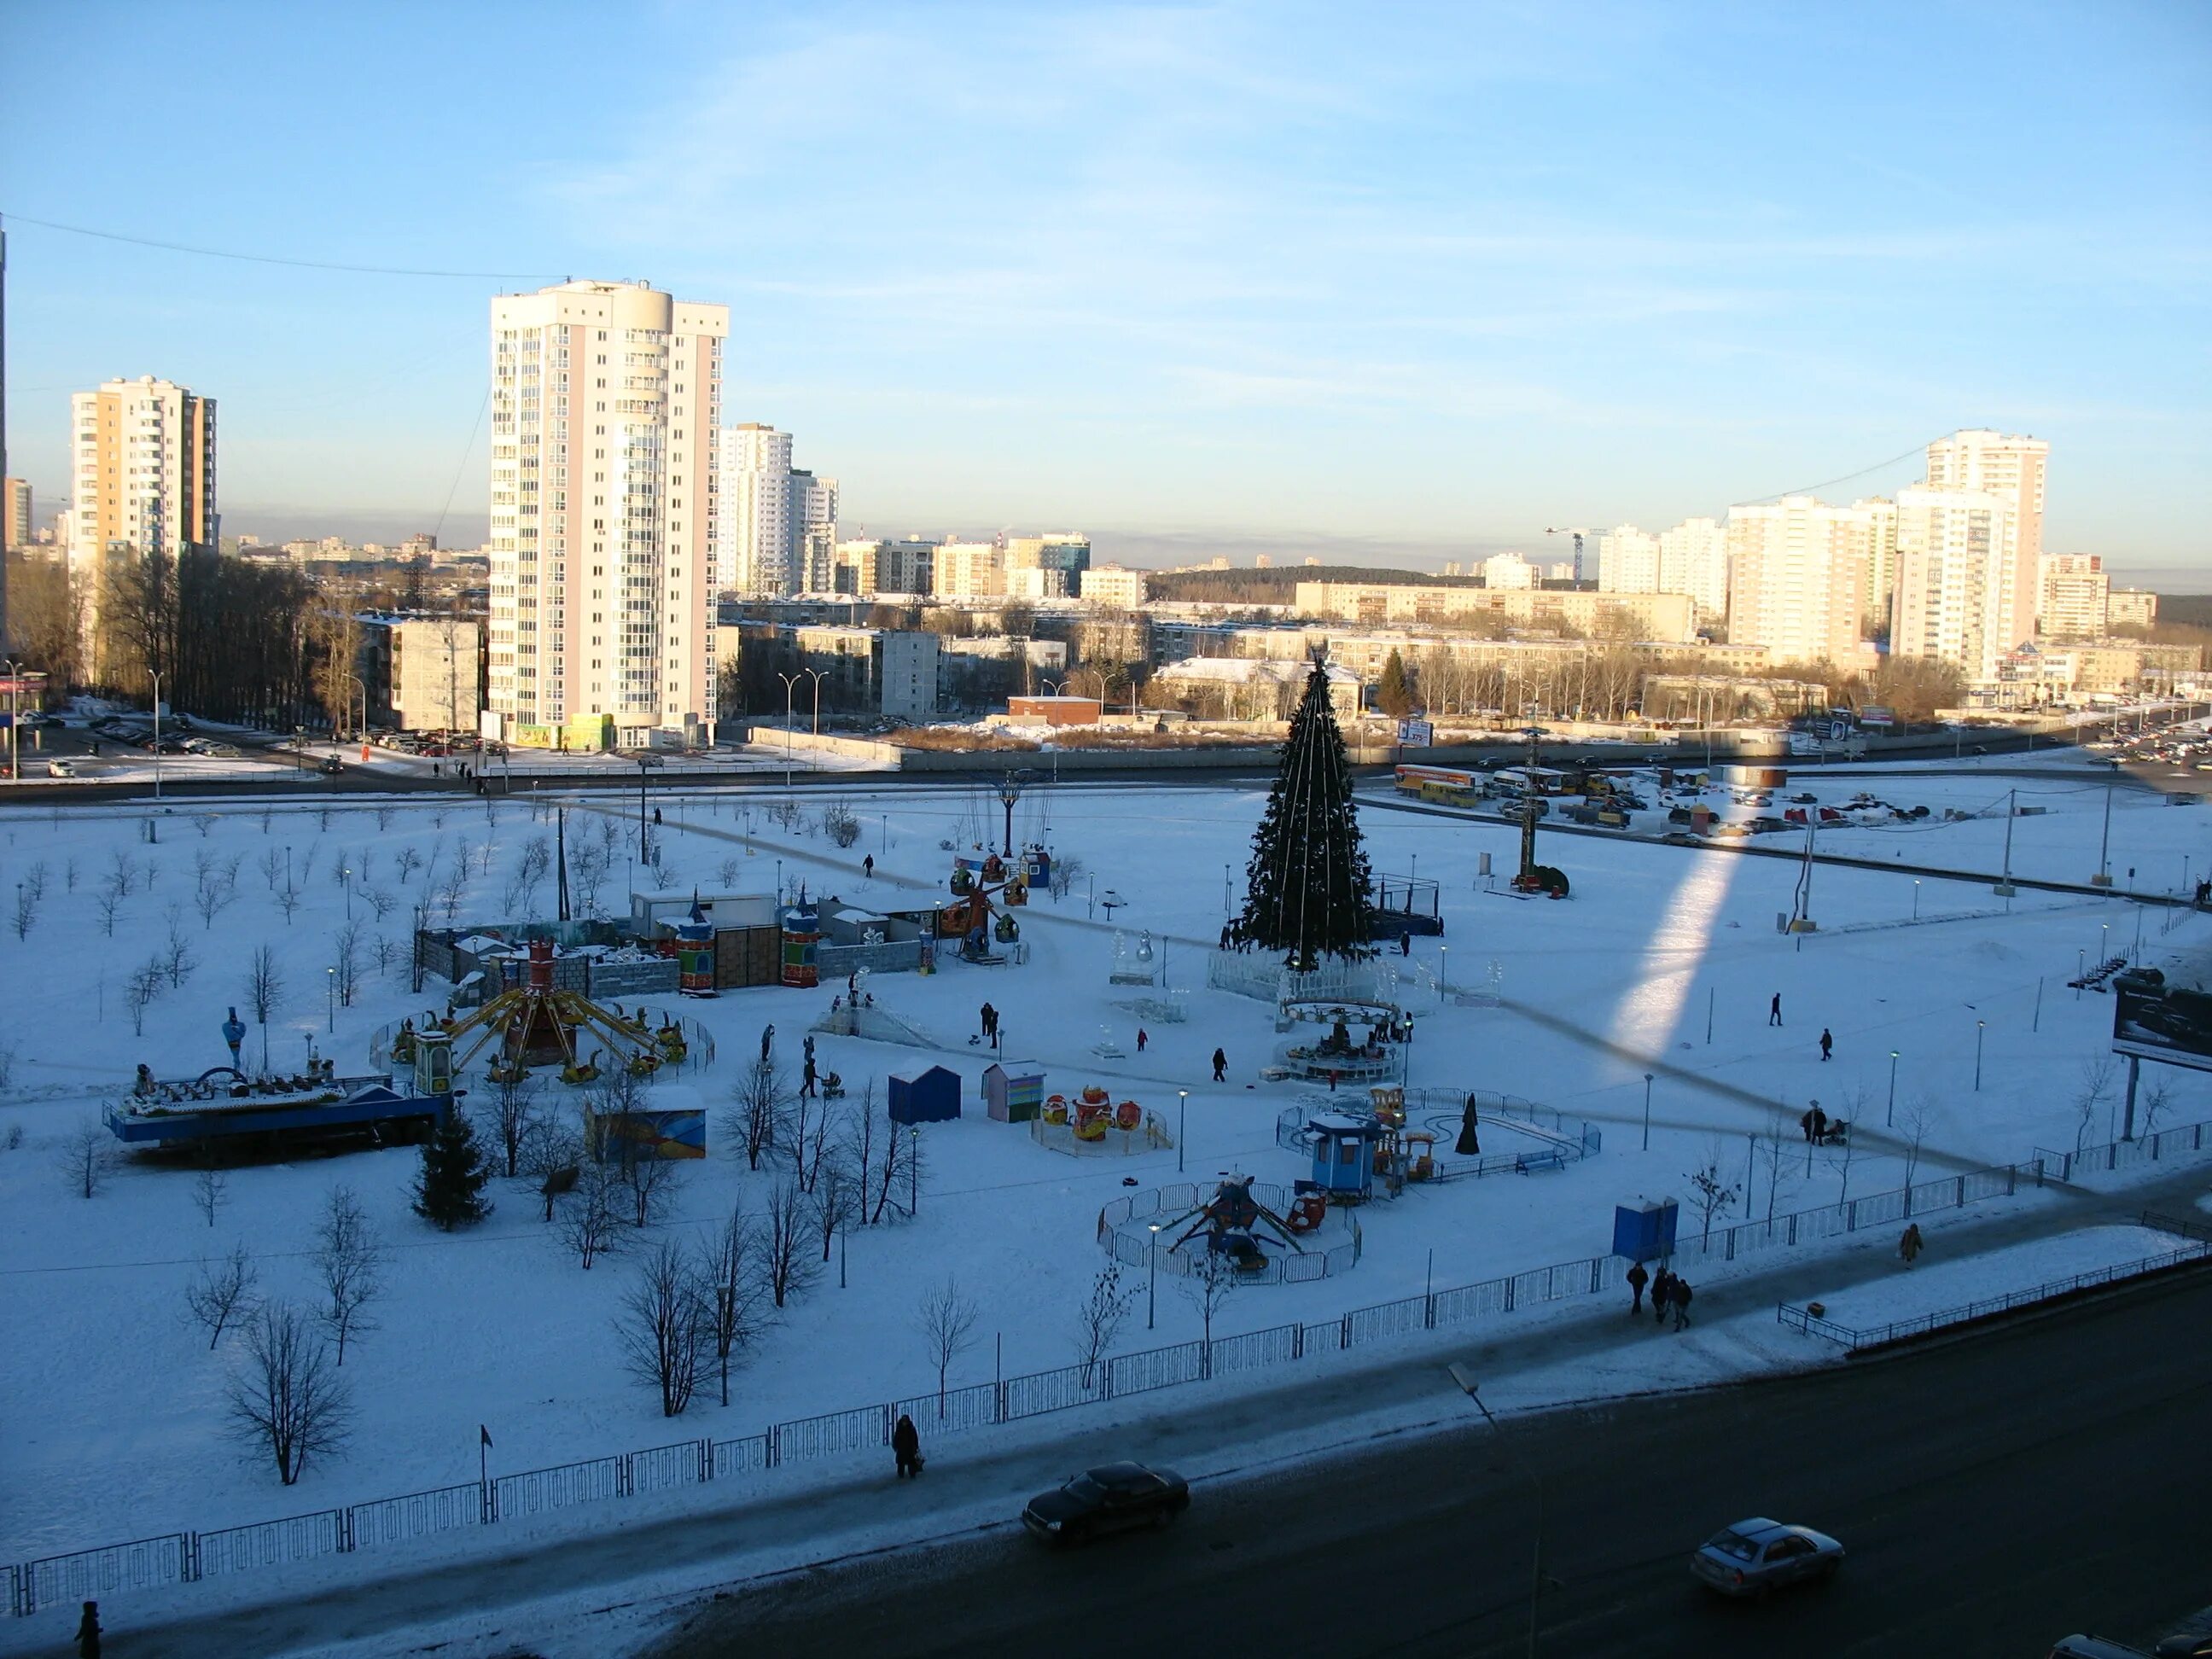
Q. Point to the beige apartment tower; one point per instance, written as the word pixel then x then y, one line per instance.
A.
pixel 142 481
pixel 605 398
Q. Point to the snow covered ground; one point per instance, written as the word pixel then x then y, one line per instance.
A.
pixel 119 1431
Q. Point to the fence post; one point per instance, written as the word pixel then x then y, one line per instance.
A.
pixel 1792 1229
pixel 1509 1294
pixel 1597 1270
pixel 2112 1156
pixel 1851 1215
pixel 2012 1179
pixel 774 1449
pixel 1344 1332
pixel 707 1457
pixel 1298 1340
pixel 1731 1256
pixel 344 1529
pixel 622 1487
pixel 188 1559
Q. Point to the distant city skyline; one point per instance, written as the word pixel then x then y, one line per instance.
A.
pixel 1223 281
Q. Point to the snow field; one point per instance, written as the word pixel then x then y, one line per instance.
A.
pixel 497 1325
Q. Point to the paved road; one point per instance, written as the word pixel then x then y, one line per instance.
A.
pixel 1995 1493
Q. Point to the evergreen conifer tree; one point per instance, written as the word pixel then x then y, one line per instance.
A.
pixel 1394 692
pixel 449 1190
pixel 1308 891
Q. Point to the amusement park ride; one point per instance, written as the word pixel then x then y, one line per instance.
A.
pixel 1233 1221
pixel 538 1023
pixel 969 917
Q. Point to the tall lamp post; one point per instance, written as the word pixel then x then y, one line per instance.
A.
pixel 1647 1111
pixel 1152 1281
pixel 1889 1118
pixel 1979 1027
pixel 156 678
pixel 331 1000
pixel 15 721
pixel 1468 1386
pixel 1183 1102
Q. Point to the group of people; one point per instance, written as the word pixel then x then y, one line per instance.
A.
pixel 1774 1018
pixel 1669 1290
pixel 990 1021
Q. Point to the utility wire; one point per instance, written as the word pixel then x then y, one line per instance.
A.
pixel 1825 483
pixel 274 259
pixel 466 450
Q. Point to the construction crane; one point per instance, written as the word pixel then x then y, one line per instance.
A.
pixel 1558 530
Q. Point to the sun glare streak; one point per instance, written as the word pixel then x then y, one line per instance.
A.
pixel 1649 1012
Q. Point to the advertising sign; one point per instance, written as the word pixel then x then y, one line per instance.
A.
pixel 2163 1023
pixel 1417 734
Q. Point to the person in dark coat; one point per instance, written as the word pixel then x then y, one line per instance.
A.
pixel 1143 1037
pixel 1662 1292
pixel 1638 1279
pixel 87 1633
pixel 1220 1067
pixel 868 866
pixel 1774 1009
pixel 1405 945
pixel 1827 1044
pixel 806 1082
pixel 1677 1292
pixel 983 1020
pixel 768 1042
pixel 1910 1246
pixel 905 1446
pixel 1806 1123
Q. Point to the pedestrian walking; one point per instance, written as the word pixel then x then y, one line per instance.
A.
pixel 1143 1037
pixel 983 1017
pixel 656 817
pixel 1638 1279
pixel 1910 1245
pixel 1774 1009
pixel 905 1446
pixel 1220 1067
pixel 1827 1044
pixel 87 1633
pixel 1677 1292
pixel 810 1048
pixel 1663 1290
pixel 853 982
pixel 868 866
pixel 436 771
pixel 768 1042
pixel 1225 936
pixel 807 1083
pixel 1405 945
pixel 1805 1123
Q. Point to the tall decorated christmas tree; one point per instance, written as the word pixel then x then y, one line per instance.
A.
pixel 1308 891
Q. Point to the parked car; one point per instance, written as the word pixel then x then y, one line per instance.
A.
pixel 1111 1498
pixel 1681 838
pixel 1758 1556
pixel 2185 1645
pixel 61 768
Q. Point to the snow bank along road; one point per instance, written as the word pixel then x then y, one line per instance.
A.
pixel 1981 1517
pixel 974 1484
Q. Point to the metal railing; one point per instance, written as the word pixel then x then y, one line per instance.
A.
pixel 189 1556
pixel 1856 1340
pixel 2176 1142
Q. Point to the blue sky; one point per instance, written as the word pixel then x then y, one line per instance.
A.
pixel 1393 282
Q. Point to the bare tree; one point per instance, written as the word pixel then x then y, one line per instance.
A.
pixel 665 1325
pixel 786 1269
pixel 552 1154
pixel 212 896
pixel 2095 1090
pixel 211 1191
pixel 287 901
pixel 85 1155
pixel 455 887
pixel 1781 1165
pixel 288 1397
pixel 379 901
pixel 106 902
pixel 1710 1194
pixel 729 1278
pixel 27 909
pixel 1841 1151
pixel 758 1106
pixel 591 1211
pixel 946 1321
pixel 1098 1321
pixel 222 1294
pixel 728 871
pixel 349 1260
pixel 263 987
pixel 177 961
pixel 1912 1120
pixel 514 1116
pixel 834 1199
pixel 1213 1279
pixel 123 873
pixel 271 864
pixel 2157 1096
pixel 408 861
pixel 140 990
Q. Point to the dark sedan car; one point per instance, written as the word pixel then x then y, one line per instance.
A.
pixel 1111 1498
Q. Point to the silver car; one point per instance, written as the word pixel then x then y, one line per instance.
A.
pixel 1756 1556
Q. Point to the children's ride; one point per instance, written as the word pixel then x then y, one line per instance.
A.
pixel 1237 1225
pixel 537 1024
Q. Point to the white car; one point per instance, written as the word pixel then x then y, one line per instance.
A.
pixel 61 768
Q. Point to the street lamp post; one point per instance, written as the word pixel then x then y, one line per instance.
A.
pixel 1647 1111
pixel 345 880
pixel 15 722
pixel 1152 1281
pixel 1979 1027
pixel 1889 1118
pixel 1183 1103
pixel 914 1169
pixel 644 847
pixel 1916 898
pixel 1468 1386
pixel 331 999
pixel 156 678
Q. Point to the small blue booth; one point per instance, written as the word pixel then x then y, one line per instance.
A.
pixel 1645 1232
pixel 930 1096
pixel 1343 1148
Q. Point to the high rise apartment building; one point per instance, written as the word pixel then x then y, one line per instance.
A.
pixel 1508 570
pixel 1113 585
pixel 968 570
pixel 1961 592
pixel 605 399
pixel 1628 561
pixel 1872 531
pixel 15 513
pixel 776 524
pixel 2074 598
pixel 2010 468
pixel 142 480
pixel 1797 584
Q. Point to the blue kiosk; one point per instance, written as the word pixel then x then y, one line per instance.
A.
pixel 1343 1152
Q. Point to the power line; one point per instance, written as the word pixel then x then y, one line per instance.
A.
pixel 1827 484
pixel 274 259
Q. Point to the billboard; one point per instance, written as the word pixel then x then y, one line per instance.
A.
pixel 1417 734
pixel 2160 1022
